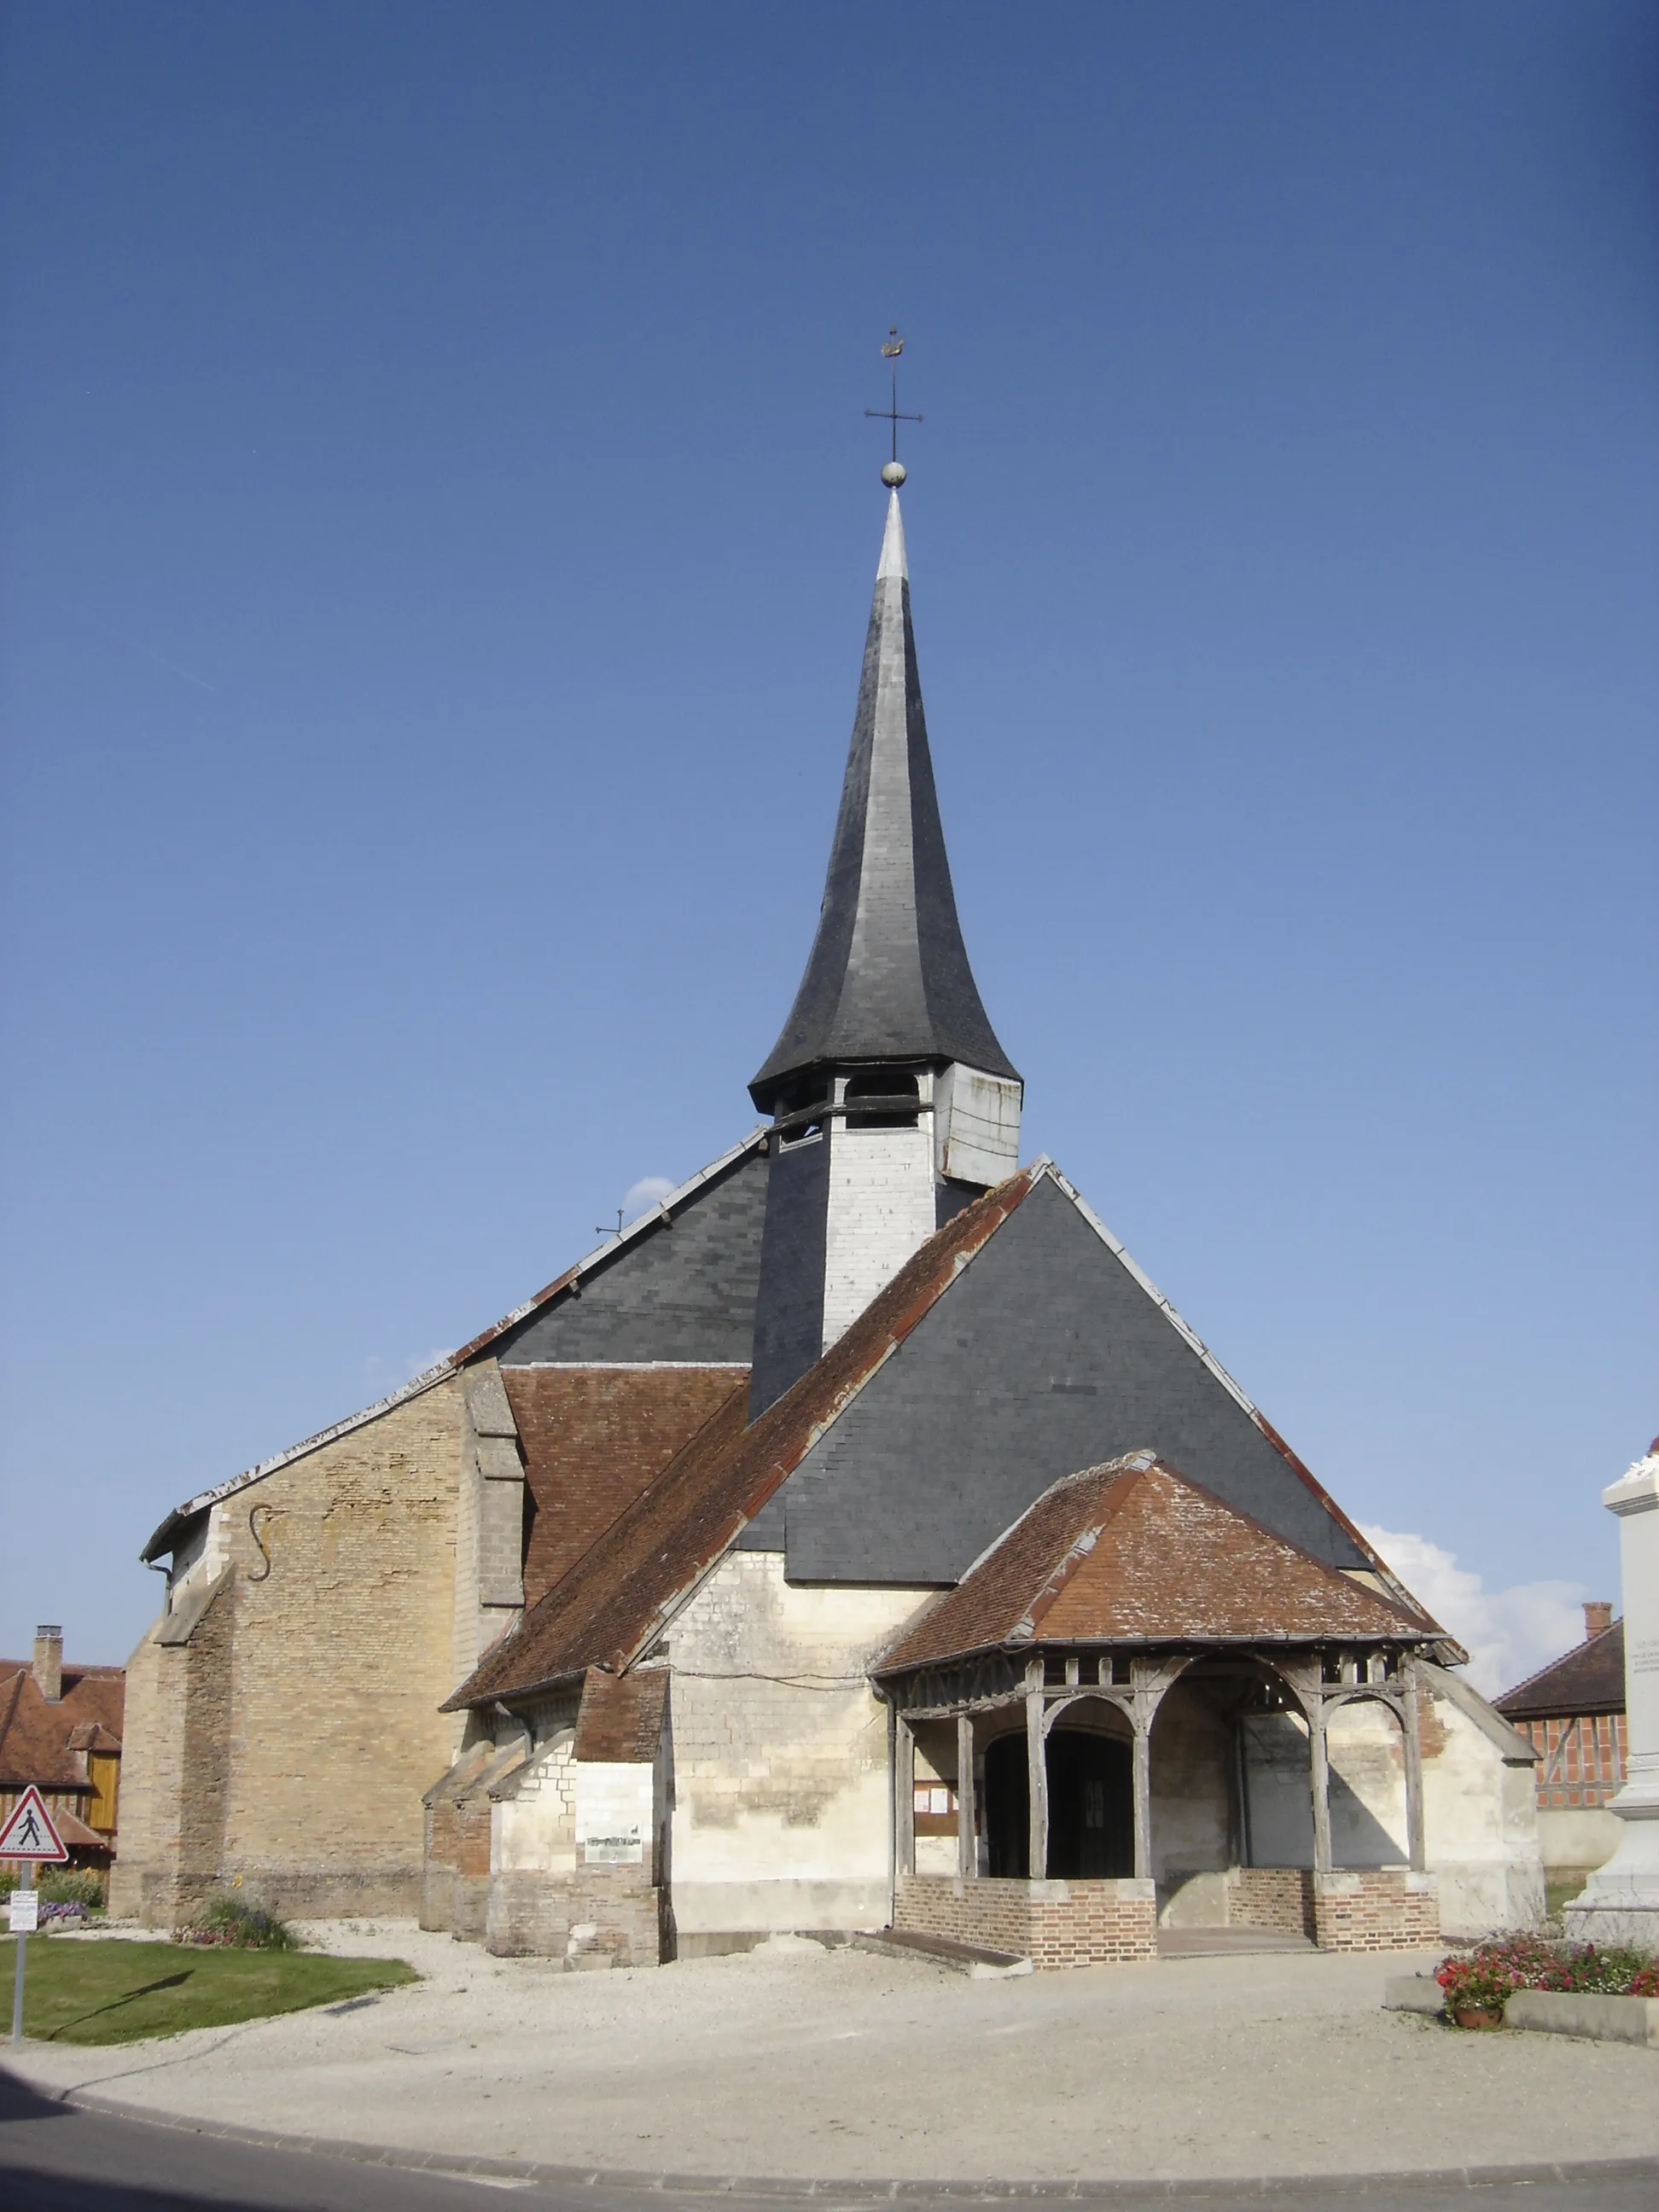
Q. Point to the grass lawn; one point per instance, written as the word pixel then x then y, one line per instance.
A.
pixel 118 1992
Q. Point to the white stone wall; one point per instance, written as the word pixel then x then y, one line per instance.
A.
pixel 614 1813
pixel 882 1210
pixel 1481 1819
pixel 534 1829
pixel 780 1789
pixel 1574 1837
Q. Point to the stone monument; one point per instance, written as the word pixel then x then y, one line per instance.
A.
pixel 1620 1901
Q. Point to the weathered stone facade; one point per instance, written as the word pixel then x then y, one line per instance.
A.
pixel 780 1747
pixel 284 1716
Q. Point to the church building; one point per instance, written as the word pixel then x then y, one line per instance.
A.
pixel 857 1541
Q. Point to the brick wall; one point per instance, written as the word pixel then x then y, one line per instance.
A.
pixel 1271 1896
pixel 1582 1760
pixel 290 1740
pixel 1376 1909
pixel 1053 1923
pixel 176 1762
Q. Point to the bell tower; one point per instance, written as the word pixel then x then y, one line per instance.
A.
pixel 892 1103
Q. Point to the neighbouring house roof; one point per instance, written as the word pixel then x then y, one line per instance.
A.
pixel 617 1597
pixel 594 1438
pixel 563 1288
pixel 888 975
pixel 46 1744
pixel 1133 1551
pixel 621 1716
pixel 1588 1679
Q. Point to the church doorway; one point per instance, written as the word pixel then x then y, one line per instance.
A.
pixel 1090 1806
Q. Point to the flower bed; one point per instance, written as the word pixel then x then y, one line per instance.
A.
pixel 1479 1981
pixel 239 1927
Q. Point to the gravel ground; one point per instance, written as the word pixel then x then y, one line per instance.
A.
pixel 794 2060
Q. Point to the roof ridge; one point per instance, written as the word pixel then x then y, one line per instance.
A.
pixel 1124 1479
pixel 451 1362
pixel 762 1456
pixel 1195 1343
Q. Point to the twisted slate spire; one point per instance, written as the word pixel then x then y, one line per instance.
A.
pixel 888 977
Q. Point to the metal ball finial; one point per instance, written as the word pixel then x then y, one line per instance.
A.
pixel 893 473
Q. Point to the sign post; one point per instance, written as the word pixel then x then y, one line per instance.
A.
pixel 29 1838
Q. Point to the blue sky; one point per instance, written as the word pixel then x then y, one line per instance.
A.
pixel 439 529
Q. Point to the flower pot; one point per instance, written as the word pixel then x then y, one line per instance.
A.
pixel 1467 2015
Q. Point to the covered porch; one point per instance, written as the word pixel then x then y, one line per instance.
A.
pixel 1233 1767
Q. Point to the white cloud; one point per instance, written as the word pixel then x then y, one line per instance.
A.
pixel 1509 1633
pixel 649 1190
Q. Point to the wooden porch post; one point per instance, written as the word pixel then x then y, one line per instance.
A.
pixel 1036 1768
pixel 904 1796
pixel 1319 1777
pixel 1416 1843
pixel 966 1849
pixel 1143 1798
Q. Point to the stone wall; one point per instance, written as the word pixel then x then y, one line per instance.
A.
pixel 779 1782
pixel 1053 1923
pixel 289 1739
pixel 175 1754
pixel 881 1210
pixel 1376 1909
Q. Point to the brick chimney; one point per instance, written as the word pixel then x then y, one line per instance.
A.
pixel 49 1662
pixel 1598 1617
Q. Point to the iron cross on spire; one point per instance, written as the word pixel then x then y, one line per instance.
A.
pixel 891 349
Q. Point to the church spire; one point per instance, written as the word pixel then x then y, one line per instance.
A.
pixel 892 1103
pixel 888 977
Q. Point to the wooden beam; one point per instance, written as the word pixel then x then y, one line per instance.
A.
pixel 1037 1769
pixel 1416 1842
pixel 904 1796
pixel 967 1847
pixel 1142 1799
pixel 1319 1778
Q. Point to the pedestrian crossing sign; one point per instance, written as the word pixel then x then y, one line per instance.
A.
pixel 28 1833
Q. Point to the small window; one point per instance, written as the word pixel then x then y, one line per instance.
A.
pixel 797 1116
pixel 890 1086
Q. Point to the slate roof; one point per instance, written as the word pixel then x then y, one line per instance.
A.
pixel 618 1597
pixel 678 1319
pixel 1134 1551
pixel 1052 1352
pixel 888 975
pixel 46 1744
pixel 1588 1679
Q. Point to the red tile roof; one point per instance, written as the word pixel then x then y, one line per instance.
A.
pixel 1133 1551
pixel 616 1598
pixel 1588 1679
pixel 45 1743
pixel 593 1439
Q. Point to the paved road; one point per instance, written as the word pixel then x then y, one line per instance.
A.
pixel 55 2159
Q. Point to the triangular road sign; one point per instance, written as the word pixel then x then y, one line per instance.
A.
pixel 28 1833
